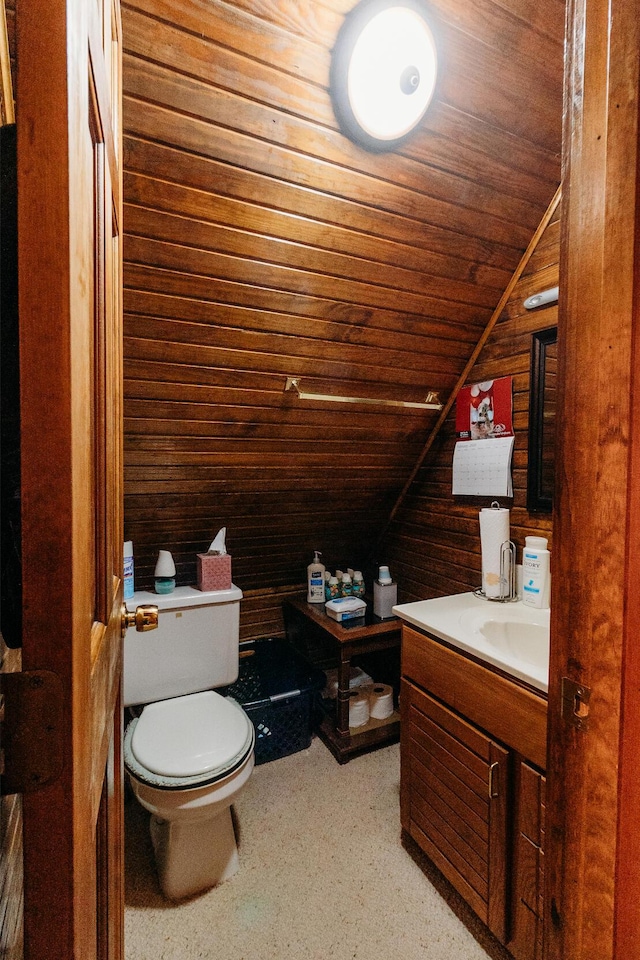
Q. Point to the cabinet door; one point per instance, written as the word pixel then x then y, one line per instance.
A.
pixel 454 801
pixel 528 879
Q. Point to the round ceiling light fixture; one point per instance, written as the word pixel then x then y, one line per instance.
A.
pixel 383 72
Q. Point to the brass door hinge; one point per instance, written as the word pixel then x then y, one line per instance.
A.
pixel 575 703
pixel 31 731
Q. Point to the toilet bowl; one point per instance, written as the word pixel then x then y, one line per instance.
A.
pixel 188 758
pixel 190 751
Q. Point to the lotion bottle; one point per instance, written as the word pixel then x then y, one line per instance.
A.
pixel 535 573
pixel 315 580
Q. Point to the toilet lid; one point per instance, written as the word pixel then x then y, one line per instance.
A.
pixel 189 736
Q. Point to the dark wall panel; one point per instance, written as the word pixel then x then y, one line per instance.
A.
pixel 433 545
pixel 260 243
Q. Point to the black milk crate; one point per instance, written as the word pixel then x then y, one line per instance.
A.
pixel 278 690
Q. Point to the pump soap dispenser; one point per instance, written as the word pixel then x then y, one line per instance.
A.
pixel 315 580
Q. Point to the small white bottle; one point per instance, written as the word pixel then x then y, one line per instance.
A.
pixel 332 591
pixel 315 580
pixel 358 584
pixel 346 587
pixel 535 573
pixel 327 581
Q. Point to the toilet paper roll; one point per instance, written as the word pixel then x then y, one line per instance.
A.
pixel 358 707
pixel 494 530
pixel 357 678
pixel 381 701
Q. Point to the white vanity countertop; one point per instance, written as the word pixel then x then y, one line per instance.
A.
pixel 511 636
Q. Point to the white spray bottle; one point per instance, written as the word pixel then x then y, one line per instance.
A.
pixel 315 580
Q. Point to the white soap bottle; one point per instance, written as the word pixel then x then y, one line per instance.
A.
pixel 315 580
pixel 535 572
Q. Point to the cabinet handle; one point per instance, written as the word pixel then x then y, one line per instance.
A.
pixel 493 780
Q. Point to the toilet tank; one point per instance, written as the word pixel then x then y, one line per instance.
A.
pixel 194 648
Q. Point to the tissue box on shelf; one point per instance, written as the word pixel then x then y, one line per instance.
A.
pixel 214 571
pixel 345 608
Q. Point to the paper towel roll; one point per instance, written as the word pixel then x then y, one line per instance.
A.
pixel 358 707
pixel 494 530
pixel 381 701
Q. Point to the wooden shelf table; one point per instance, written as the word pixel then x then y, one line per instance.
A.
pixel 306 623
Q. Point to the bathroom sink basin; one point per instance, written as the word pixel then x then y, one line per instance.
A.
pixel 520 633
pixel 511 636
pixel 525 641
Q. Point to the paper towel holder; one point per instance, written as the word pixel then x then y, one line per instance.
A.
pixel 508 587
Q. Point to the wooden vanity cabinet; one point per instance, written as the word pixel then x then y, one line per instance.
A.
pixel 455 803
pixel 528 874
pixel 473 747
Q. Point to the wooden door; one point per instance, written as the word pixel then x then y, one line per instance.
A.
pixel 592 861
pixel 69 210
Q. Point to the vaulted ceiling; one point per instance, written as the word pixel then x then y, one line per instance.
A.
pixel 260 244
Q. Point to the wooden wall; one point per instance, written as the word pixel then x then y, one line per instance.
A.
pixel 260 243
pixel 433 545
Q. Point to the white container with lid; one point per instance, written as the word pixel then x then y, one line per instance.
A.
pixel 385 594
pixel 536 577
pixel 345 608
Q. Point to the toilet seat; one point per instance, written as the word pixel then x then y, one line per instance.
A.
pixel 188 742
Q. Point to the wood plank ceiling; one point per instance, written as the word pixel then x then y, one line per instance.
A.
pixel 260 243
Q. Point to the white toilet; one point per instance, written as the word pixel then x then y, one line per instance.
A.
pixel 190 751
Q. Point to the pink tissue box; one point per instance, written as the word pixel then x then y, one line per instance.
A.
pixel 214 571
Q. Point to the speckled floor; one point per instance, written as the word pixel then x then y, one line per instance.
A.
pixel 322 875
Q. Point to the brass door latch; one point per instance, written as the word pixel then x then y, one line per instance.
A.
pixel 575 703
pixel 145 617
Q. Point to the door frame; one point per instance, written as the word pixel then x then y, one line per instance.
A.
pixel 593 870
pixel 592 908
